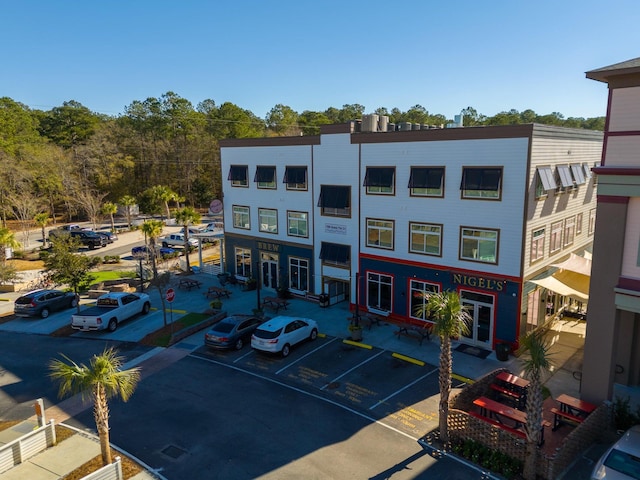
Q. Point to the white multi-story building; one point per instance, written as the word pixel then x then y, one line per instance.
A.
pixel 378 218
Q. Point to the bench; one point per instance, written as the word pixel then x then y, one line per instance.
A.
pixel 420 333
pixel 275 302
pixel 218 292
pixel 515 431
pixel 510 394
pixel 560 417
pixel 188 283
pixel 369 320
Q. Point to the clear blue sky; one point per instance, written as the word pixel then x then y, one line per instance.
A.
pixel 311 55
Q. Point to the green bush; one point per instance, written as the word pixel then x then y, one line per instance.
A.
pixel 624 418
pixel 492 460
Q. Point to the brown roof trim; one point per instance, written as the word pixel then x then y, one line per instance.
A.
pixel 623 74
pixel 270 141
pixel 629 283
pixel 436 134
pixel 630 171
pixel 622 200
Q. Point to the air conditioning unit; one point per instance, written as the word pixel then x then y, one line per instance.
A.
pixel 370 123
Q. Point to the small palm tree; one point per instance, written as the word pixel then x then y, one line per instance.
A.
pixel 128 201
pixel 152 229
pixel 450 319
pixel 102 379
pixel 187 216
pixel 7 240
pixel 535 349
pixel 110 208
pixel 42 220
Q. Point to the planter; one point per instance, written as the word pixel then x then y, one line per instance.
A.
pixel 356 334
pixel 502 351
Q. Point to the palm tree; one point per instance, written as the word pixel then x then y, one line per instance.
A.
pixel 152 229
pixel 164 194
pixel 535 347
pixel 450 319
pixel 110 208
pixel 128 201
pixel 42 220
pixel 187 216
pixel 7 240
pixel 102 379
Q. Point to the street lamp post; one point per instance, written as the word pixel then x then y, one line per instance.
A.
pixel 258 283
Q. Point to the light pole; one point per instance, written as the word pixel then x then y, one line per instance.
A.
pixel 258 283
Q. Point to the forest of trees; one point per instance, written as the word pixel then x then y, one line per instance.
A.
pixel 68 162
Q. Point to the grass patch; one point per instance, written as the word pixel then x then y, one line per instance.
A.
pixel 105 275
pixel 162 337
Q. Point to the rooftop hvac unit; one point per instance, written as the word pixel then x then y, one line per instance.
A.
pixel 404 126
pixel 370 123
pixel 382 123
pixel 415 126
pixel 391 127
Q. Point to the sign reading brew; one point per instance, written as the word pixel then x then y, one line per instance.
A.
pixel 478 282
pixel 269 247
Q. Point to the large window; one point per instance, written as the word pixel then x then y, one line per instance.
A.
pixel 569 230
pixel 238 176
pixel 298 274
pixel 379 233
pixel 427 181
pixel 335 254
pixel 297 224
pixel 241 217
pixel 335 200
pixel 579 224
pixel 380 180
pixel 545 181
pixel 265 177
pixel 425 238
pixel 555 242
pixel 379 288
pixel 419 292
pixel 243 262
pixel 479 245
pixel 537 245
pixel 481 183
pixel 295 178
pixel 592 221
pixel 268 219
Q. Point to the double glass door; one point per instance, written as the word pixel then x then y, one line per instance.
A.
pixel 269 267
pixel 480 309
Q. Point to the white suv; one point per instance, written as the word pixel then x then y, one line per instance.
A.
pixel 177 240
pixel 281 333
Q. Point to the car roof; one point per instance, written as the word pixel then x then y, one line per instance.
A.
pixel 280 321
pixel 39 292
pixel 630 441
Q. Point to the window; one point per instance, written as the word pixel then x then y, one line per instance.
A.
pixel 335 201
pixel 243 262
pixel 335 254
pixel 555 242
pixel 545 181
pixel 298 274
pixel 265 177
pixel 484 183
pixel 537 245
pixel 380 233
pixel 479 245
pixel 379 289
pixel 578 174
pixel 592 221
pixel 238 174
pixel 425 238
pixel 295 178
pixel 297 224
pixel 569 230
pixel 379 180
pixel 241 217
pixel 579 224
pixel 268 220
pixel 565 179
pixel 419 296
pixel 427 181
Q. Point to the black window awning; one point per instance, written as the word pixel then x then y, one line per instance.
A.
pixel 379 177
pixel 332 196
pixel 295 175
pixel 238 173
pixel 265 175
pixel 334 252
pixel 426 177
pixel 481 179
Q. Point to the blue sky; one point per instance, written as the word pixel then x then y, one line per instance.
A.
pixel 446 56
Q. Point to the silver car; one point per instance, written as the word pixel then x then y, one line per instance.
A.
pixel 622 460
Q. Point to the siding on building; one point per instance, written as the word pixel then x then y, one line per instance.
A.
pixel 625 103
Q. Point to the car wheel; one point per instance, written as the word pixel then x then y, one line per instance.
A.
pixel 286 350
pixel 314 334
pixel 239 344
pixel 113 324
pixel 145 308
pixel 44 313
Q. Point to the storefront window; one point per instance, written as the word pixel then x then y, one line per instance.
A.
pixel 243 262
pixel 379 288
pixel 419 296
pixel 298 274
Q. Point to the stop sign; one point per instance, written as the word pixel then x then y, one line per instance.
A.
pixel 171 294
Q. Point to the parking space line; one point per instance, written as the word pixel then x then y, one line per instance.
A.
pixel 352 369
pixel 384 400
pixel 305 356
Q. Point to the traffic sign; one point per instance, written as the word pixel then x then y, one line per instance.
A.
pixel 170 295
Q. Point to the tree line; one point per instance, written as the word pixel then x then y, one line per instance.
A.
pixel 68 162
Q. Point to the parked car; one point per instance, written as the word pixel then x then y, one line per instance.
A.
pixel 111 310
pixel 281 333
pixel 89 239
pixel 231 332
pixel 110 237
pixel 622 460
pixel 177 240
pixel 42 302
pixel 144 251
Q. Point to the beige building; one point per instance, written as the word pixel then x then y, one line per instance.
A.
pixel 611 358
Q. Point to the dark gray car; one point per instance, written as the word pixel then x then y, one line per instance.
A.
pixel 42 302
pixel 231 332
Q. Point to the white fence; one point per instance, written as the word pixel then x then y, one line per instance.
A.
pixel 112 471
pixel 28 445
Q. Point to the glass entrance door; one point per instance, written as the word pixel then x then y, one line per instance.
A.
pixel 480 309
pixel 269 267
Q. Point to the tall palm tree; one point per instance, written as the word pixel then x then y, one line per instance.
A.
pixel 128 201
pixel 102 379
pixel 7 240
pixel 42 220
pixel 152 229
pixel 450 319
pixel 187 216
pixel 110 208
pixel 535 350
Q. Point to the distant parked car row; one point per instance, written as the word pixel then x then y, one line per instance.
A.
pixel 144 250
pixel 86 236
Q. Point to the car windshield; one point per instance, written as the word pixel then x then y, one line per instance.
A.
pixel 623 462
pixel 266 334
pixel 223 327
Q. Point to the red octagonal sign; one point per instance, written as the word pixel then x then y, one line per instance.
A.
pixel 171 294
